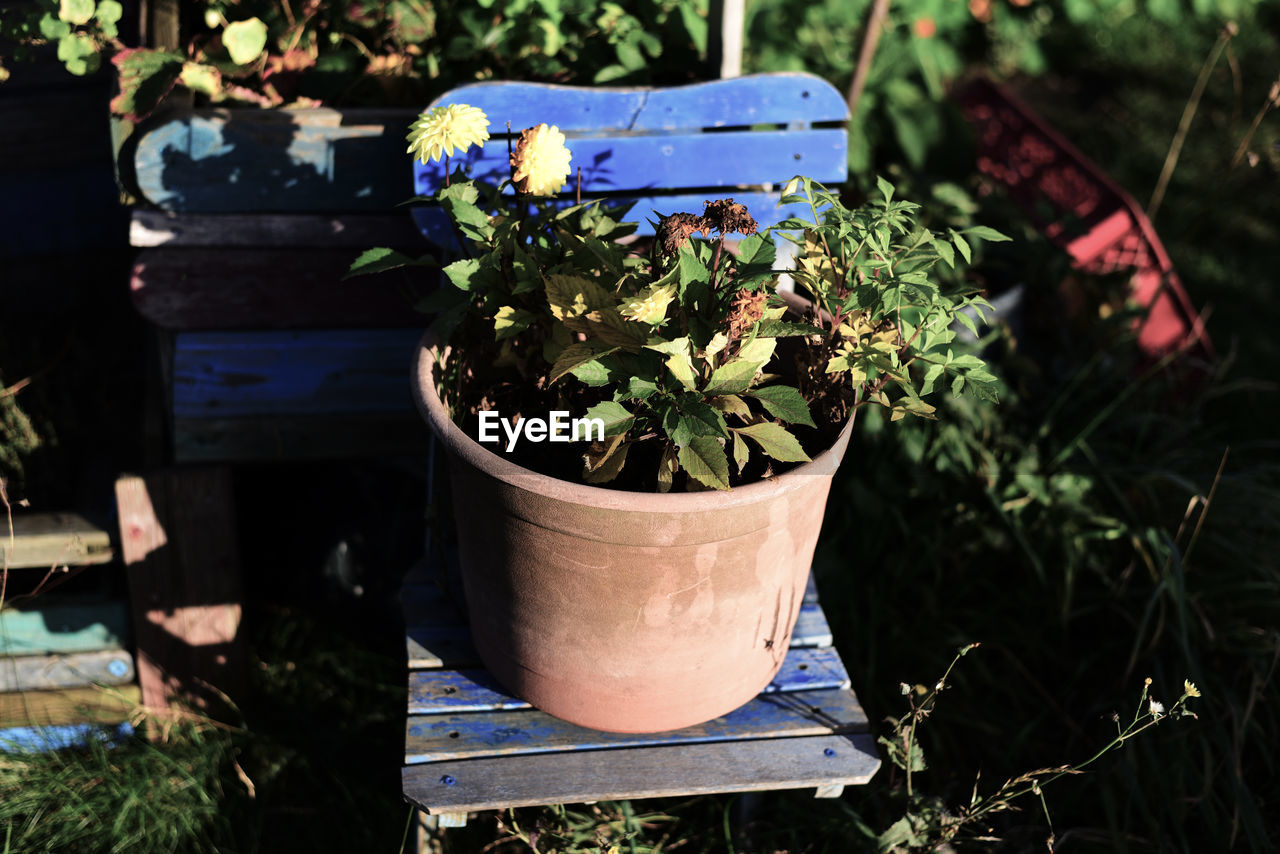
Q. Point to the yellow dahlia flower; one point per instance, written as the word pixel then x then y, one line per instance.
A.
pixel 540 161
pixel 439 132
pixel 650 305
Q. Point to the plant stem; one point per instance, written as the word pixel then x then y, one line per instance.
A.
pixel 1188 113
pixel 870 38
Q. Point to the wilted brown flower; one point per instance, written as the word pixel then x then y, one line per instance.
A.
pixel 725 216
pixel 675 230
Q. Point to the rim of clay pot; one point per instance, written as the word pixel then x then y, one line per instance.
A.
pixel 458 442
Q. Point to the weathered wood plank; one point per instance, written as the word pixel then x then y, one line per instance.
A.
pixel 620 164
pixel 261 438
pixel 75 670
pixel 781 98
pixel 195 287
pixel 69 706
pixel 67 626
pixel 640 772
pixel 230 374
pixel 185 592
pixel 440 646
pixel 151 228
pixel 442 691
pixel 45 540
pixel 229 161
pixel 433 738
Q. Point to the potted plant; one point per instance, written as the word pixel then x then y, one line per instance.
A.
pixel 641 437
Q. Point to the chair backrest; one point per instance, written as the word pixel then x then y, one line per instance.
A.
pixel 668 149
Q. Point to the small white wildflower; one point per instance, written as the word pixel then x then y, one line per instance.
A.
pixel 906 689
pixel 1156 709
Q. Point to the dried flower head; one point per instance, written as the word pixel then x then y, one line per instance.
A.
pixel 1156 708
pixel 675 231
pixel 748 307
pixel 439 132
pixel 540 161
pixel 727 216
pixel 650 305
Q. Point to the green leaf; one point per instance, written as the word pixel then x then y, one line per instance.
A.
pixel 731 404
pixel 244 40
pixel 53 28
pixel 731 378
pixel 75 12
pixel 681 367
pixel 574 296
pixel 667 468
pixel 961 244
pixel 930 377
pixel 784 402
pixel 886 189
pixel 776 441
pixel 758 351
pixel 380 259
pixel 574 355
pixel 79 53
pixel 785 329
pixel 109 12
pixel 704 460
pixel 462 272
pixel 592 373
pixel 617 420
pixel 607 468
pixel 741 453
pixel 988 234
pixel 511 321
pixel 640 388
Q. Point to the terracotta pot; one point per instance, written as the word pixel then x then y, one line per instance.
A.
pixel 627 611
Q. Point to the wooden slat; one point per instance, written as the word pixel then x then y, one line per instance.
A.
pixel 434 738
pixel 443 691
pixel 69 706
pixel 201 287
pixel 70 626
pixel 76 670
pixel 45 540
pixel 229 374
pixel 674 161
pixel 440 646
pixel 34 739
pixel 151 228
pixel 780 98
pixel 641 772
pixel 259 438
pixel 233 161
pixel 185 590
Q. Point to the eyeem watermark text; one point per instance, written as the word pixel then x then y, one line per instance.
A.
pixel 559 428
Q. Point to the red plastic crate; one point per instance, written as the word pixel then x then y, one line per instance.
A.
pixel 1078 207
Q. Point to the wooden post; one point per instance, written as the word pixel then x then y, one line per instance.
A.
pixel 731 24
pixel 178 541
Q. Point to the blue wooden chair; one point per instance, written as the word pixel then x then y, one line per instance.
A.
pixel 470 746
